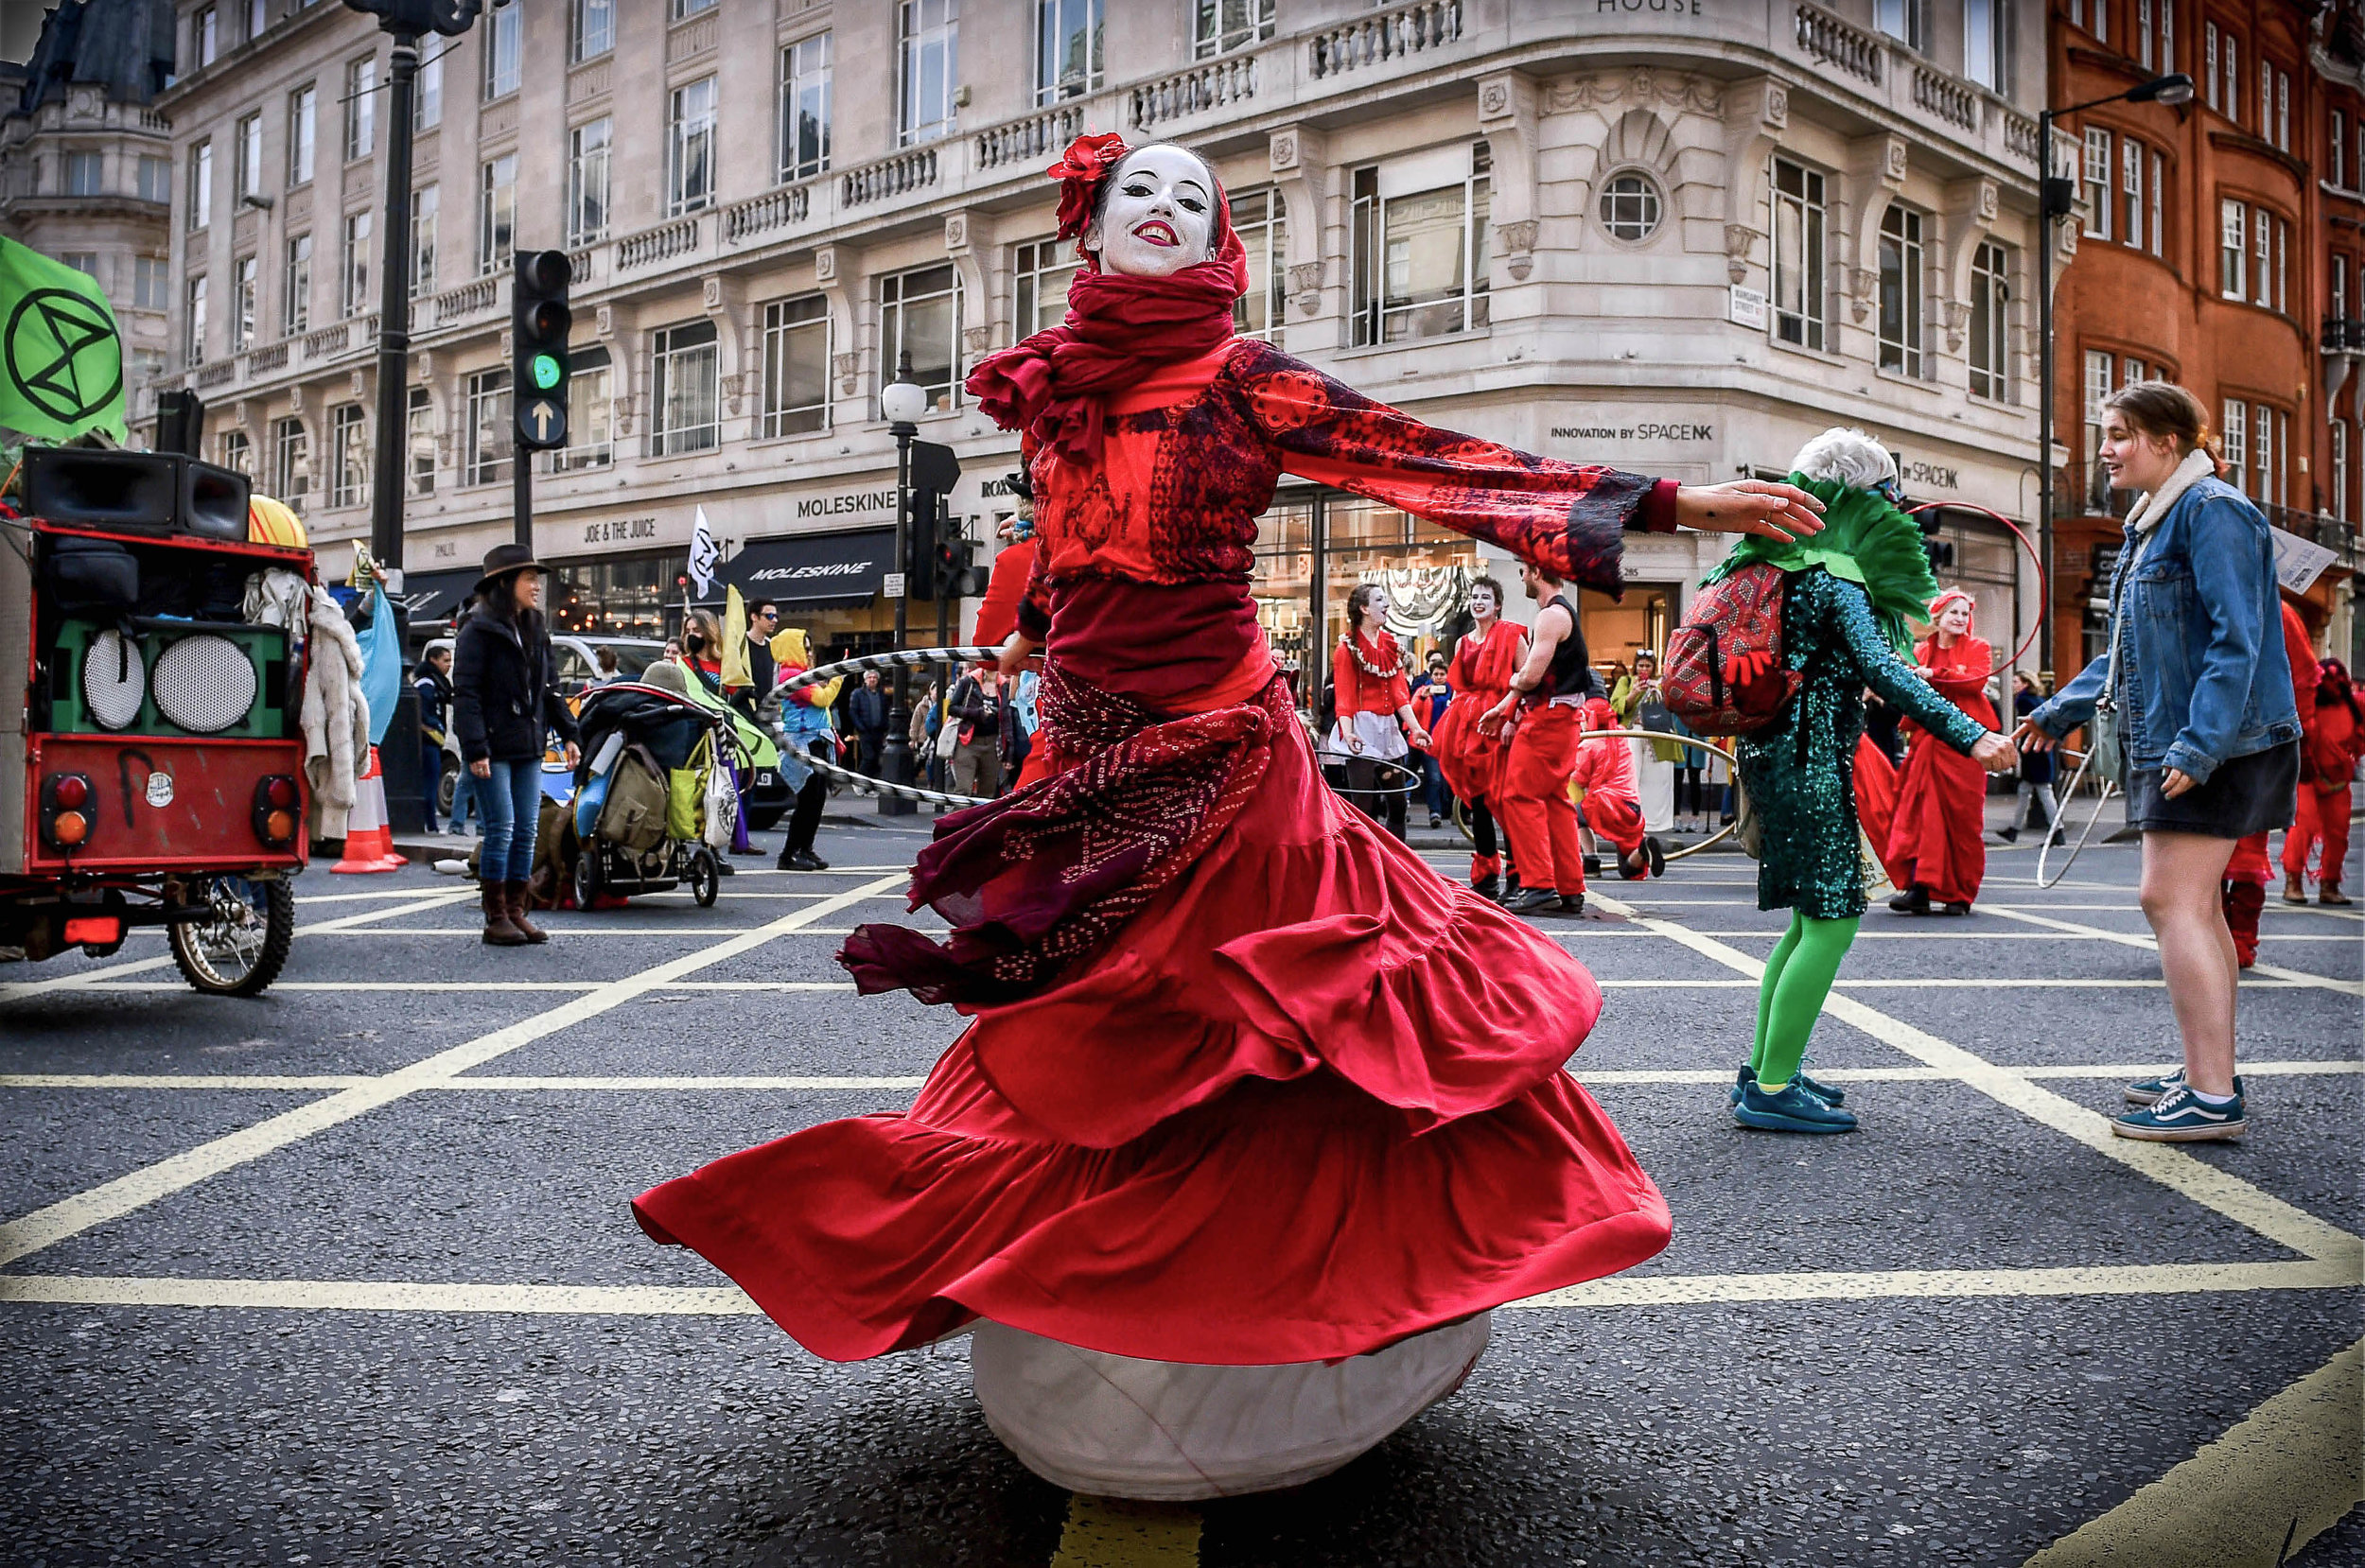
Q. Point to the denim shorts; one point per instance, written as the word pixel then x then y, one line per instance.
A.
pixel 2247 795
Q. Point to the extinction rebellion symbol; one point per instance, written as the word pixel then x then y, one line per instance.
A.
pixel 62 356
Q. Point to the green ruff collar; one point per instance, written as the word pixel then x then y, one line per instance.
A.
pixel 1865 540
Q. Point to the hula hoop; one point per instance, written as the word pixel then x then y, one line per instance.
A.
pixel 1722 833
pixel 2042 587
pixel 1333 759
pixel 913 658
pixel 2085 761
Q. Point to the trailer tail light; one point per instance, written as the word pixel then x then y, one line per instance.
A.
pixel 276 809
pixel 65 810
pixel 96 931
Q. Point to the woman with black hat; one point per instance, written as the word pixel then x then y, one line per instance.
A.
pixel 504 703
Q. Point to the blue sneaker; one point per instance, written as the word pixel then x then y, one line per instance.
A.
pixel 1792 1110
pixel 1824 1092
pixel 2180 1116
pixel 2146 1091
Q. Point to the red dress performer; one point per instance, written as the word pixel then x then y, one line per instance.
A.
pixel 1256 1116
pixel 1936 852
pixel 2243 894
pixel 1374 709
pixel 1484 662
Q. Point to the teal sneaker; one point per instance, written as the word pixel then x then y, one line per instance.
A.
pixel 1792 1110
pixel 2180 1116
pixel 2146 1091
pixel 1824 1092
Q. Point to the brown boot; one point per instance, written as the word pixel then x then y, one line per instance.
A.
pixel 516 895
pixel 2294 890
pixel 498 932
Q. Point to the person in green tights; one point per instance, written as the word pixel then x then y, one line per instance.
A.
pixel 1849 594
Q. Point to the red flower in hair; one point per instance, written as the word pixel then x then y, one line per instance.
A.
pixel 1079 172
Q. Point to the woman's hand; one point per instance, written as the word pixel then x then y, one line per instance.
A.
pixel 1749 506
pixel 1491 722
pixel 574 755
pixel 1014 654
pixel 1995 753
pixel 2029 737
pixel 2176 782
pixel 1420 737
pixel 481 767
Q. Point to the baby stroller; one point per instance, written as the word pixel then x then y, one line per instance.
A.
pixel 655 801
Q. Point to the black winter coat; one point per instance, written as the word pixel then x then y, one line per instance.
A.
pixel 503 695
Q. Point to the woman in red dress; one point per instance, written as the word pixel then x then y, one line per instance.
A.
pixel 1484 662
pixel 1256 1116
pixel 1374 709
pixel 1936 852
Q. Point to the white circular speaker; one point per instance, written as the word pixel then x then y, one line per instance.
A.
pixel 114 681
pixel 204 684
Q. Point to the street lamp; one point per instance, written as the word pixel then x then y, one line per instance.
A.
pixel 2057 199
pixel 903 400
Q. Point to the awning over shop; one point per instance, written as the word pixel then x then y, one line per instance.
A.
pixel 811 569
pixel 438 595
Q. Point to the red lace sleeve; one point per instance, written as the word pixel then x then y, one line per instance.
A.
pixel 1569 517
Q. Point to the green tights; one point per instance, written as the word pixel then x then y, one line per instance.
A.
pixel 1798 976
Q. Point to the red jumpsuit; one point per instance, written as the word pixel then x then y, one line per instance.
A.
pixel 1604 770
pixel 1473 763
pixel 1936 840
pixel 2248 873
pixel 2335 743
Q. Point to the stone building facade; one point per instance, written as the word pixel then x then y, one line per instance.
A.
pixel 1676 235
pixel 86 159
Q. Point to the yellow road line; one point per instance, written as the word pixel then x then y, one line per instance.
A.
pixel 2241 1201
pixel 1624 1290
pixel 111 1200
pixel 1653 1290
pixel 1109 1532
pixel 2279 1477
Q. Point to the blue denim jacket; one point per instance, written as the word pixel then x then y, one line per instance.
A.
pixel 2202 677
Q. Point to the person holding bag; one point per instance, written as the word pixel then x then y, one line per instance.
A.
pixel 505 702
pixel 2198 675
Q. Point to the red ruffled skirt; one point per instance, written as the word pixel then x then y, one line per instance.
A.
pixel 1304 1101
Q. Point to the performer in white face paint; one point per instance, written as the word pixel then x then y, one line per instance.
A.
pixel 1256 1116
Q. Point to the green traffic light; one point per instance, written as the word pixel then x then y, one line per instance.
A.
pixel 546 371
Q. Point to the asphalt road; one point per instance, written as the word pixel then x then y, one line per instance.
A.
pixel 262 1302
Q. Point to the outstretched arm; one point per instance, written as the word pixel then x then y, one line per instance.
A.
pixel 1893 679
pixel 1571 518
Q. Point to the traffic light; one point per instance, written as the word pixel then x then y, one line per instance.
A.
pixel 447 17
pixel 920 559
pixel 956 572
pixel 539 322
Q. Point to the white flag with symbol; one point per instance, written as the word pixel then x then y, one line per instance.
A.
pixel 705 555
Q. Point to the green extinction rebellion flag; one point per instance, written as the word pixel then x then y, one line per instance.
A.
pixel 60 355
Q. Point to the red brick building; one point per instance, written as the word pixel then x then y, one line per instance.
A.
pixel 2336 62
pixel 2205 253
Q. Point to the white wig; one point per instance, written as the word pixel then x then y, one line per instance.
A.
pixel 1851 457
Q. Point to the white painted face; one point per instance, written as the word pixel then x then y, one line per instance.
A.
pixel 1955 618
pixel 1159 215
pixel 1376 610
pixel 1482 606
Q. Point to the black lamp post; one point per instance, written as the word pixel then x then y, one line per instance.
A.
pixel 903 400
pixel 2059 200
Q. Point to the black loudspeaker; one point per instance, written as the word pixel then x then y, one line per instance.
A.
pixel 136 492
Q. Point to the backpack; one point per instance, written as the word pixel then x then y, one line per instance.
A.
pixel 1724 674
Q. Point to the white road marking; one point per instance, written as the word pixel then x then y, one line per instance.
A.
pixel 2246 1204
pixel 594 1082
pixel 2279 1477
pixel 82 979
pixel 54 1222
pixel 1625 1290
pixel 2072 930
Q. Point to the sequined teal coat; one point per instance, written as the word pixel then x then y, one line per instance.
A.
pixel 1800 771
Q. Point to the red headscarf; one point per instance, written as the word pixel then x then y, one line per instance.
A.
pixel 1050 385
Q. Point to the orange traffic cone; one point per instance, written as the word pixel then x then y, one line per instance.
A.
pixel 369 842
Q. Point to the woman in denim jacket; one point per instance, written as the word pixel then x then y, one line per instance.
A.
pixel 2199 679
